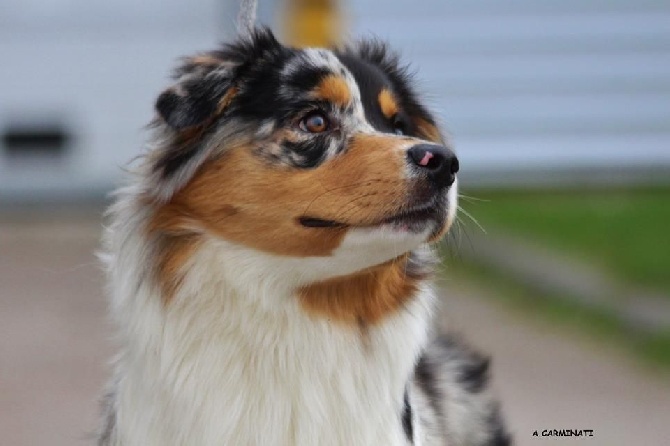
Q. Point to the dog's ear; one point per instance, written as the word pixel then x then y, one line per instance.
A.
pixel 202 84
pixel 205 84
pixel 205 89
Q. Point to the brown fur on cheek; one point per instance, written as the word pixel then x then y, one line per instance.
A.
pixel 175 245
pixel 366 298
pixel 242 198
pixel 173 256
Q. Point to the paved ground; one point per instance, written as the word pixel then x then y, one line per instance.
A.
pixel 54 349
pixel 53 333
pixel 550 379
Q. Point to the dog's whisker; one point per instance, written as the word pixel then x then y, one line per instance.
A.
pixel 466 234
pixel 472 199
pixel 473 219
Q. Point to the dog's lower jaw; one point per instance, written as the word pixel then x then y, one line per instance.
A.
pixel 234 359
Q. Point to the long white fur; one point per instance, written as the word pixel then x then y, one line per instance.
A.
pixel 233 359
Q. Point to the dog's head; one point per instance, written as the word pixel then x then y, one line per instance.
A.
pixel 302 153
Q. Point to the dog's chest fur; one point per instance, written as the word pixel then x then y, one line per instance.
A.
pixel 243 364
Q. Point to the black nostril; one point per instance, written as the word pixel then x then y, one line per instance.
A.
pixel 455 165
pixel 437 161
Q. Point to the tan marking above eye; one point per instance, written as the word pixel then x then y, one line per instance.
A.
pixel 335 89
pixel 387 103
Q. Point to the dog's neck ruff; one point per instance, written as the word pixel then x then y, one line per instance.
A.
pixel 233 358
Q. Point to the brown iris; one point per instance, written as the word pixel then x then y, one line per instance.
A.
pixel 314 122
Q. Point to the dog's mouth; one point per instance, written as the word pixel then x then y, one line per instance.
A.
pixel 313 222
pixel 414 218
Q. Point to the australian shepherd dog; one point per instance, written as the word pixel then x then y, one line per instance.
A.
pixel 269 261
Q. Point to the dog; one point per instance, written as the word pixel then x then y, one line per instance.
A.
pixel 269 261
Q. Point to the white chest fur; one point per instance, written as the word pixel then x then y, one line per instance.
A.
pixel 233 359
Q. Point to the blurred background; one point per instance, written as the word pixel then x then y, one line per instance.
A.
pixel 558 267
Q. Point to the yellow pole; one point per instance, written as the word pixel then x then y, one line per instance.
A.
pixel 312 23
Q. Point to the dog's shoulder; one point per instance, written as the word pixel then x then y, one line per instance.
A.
pixel 452 396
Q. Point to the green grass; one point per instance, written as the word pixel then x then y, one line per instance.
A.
pixel 597 323
pixel 625 231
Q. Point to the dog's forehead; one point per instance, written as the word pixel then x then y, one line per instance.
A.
pixel 308 68
pixel 319 59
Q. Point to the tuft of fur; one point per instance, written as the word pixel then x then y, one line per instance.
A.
pixel 453 380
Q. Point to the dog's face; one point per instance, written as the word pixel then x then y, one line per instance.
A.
pixel 302 153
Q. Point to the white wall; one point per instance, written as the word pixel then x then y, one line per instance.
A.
pixel 95 69
pixel 524 86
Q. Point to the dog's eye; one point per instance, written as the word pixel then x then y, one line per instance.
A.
pixel 314 122
pixel 398 125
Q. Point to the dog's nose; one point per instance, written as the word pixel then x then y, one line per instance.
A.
pixel 438 162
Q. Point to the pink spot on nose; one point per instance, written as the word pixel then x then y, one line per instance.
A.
pixel 426 157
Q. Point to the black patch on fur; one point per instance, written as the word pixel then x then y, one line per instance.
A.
pixel 378 53
pixel 306 78
pixel 265 92
pixel 375 67
pixel 201 85
pixel 262 45
pixel 499 434
pixel 371 81
pixel 426 374
pixel 407 419
pixel 309 153
pixel 178 154
pixel 475 373
pixel 194 100
pixel 109 413
pixel 448 354
pixel 173 160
